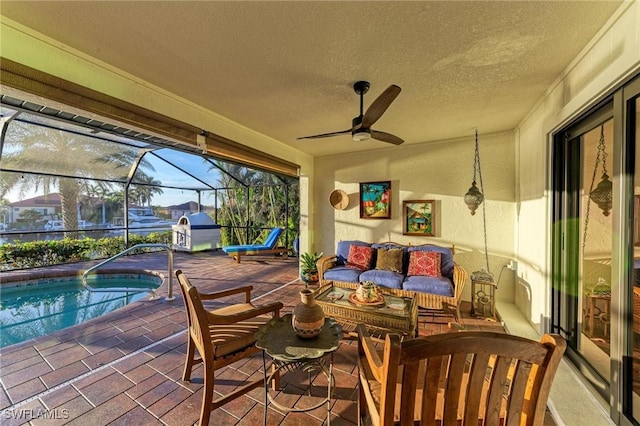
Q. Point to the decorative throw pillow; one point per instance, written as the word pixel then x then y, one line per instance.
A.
pixel 360 257
pixel 424 263
pixel 389 259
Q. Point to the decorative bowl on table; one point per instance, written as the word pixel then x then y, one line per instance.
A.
pixel 367 293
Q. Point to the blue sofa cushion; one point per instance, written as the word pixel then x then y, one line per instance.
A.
pixel 343 273
pixel 342 251
pixel 441 285
pixel 446 257
pixel 383 278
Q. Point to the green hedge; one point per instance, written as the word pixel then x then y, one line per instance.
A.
pixel 46 253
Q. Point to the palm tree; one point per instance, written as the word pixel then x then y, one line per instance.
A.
pixel 67 159
pixel 259 201
pixel 98 190
pixel 146 190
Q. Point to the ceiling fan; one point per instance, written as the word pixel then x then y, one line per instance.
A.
pixel 361 125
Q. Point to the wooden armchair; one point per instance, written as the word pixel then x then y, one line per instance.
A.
pixel 221 337
pixel 465 378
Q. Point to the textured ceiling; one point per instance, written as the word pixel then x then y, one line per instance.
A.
pixel 286 69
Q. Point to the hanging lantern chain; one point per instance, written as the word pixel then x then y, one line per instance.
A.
pixel 600 152
pixel 476 163
pixel 484 205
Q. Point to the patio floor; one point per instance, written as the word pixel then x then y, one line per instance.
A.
pixel 125 367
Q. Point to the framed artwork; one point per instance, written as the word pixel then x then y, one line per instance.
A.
pixel 375 200
pixel 419 218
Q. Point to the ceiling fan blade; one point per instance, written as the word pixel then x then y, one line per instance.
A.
pixel 380 105
pixel 325 135
pixel 386 137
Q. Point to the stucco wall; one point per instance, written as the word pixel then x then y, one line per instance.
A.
pixel 610 58
pixel 442 171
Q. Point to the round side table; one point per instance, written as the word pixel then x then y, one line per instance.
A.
pixel 288 352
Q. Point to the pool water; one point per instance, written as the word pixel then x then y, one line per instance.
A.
pixel 39 307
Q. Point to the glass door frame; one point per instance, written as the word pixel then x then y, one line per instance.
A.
pixel 624 161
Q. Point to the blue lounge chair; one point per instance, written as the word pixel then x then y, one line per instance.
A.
pixel 269 247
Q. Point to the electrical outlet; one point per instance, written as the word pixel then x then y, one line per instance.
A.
pixel 513 265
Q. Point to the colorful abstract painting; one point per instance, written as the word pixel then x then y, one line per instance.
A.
pixel 375 200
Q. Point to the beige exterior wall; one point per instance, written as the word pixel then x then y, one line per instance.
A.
pixel 610 58
pixel 441 171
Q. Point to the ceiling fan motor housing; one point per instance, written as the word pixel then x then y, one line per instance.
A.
pixel 358 133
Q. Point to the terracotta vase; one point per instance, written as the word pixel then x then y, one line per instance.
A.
pixel 308 317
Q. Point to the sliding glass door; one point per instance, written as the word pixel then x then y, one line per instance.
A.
pixel 596 248
pixel 583 242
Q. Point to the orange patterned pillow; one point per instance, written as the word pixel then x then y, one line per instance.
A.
pixel 425 263
pixel 360 257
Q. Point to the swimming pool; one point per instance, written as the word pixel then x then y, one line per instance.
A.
pixel 37 307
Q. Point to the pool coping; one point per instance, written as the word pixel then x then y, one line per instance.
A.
pixel 37 276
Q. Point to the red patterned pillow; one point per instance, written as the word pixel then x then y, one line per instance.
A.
pixel 360 257
pixel 424 263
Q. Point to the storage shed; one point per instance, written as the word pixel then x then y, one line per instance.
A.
pixel 196 232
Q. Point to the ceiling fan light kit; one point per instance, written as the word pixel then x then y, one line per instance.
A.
pixel 361 135
pixel 361 125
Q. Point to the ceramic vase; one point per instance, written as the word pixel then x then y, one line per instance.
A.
pixel 308 317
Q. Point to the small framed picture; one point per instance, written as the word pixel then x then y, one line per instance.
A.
pixel 375 200
pixel 419 218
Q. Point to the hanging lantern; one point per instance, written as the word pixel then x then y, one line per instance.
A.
pixel 601 195
pixel 474 197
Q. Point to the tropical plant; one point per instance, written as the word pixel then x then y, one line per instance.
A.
pixel 308 261
pixel 35 254
pixel 254 201
pixel 308 266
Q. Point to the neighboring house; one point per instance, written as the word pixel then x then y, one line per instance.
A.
pixel 49 206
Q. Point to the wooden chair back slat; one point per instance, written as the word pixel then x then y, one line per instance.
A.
pixel 408 392
pixel 434 367
pixel 454 387
pixel 519 388
pixel 497 386
pixel 475 399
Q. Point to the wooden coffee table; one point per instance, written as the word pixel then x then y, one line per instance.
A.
pixel 395 315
